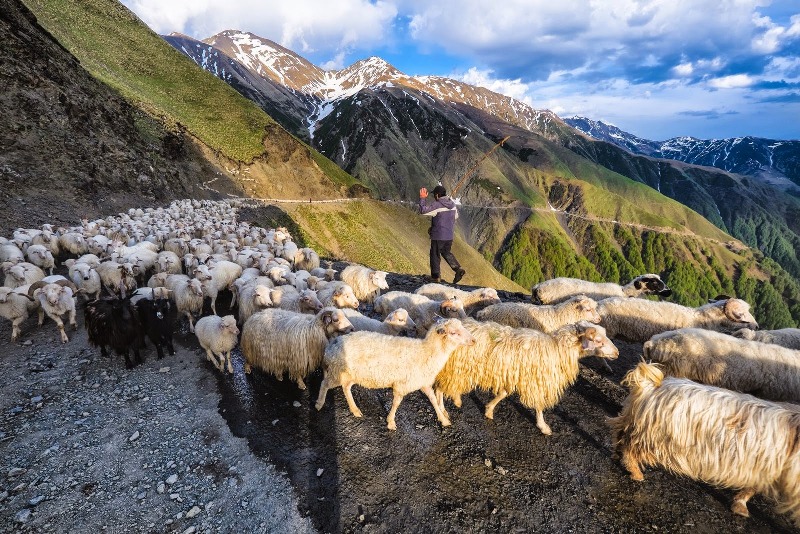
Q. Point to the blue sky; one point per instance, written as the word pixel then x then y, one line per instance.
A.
pixel 655 68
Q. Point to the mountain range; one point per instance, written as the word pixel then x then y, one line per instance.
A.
pixel 549 202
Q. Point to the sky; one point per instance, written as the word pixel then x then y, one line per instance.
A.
pixel 658 69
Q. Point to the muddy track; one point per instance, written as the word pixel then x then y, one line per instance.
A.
pixel 479 475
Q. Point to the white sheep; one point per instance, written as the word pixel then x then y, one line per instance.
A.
pixel 397 323
pixel 150 293
pixel 305 259
pixel 767 371
pixel 168 262
pixel 426 314
pixel 398 299
pixel 338 294
pixel 547 317
pixel 537 366
pixel 280 341
pixel 375 360
pixel 41 256
pixel 16 306
pixel 560 289
pixel 218 336
pixel 639 319
pixel 117 277
pixel 219 277
pixel 10 252
pixel 328 274
pixel 303 302
pixel 188 294
pixel 253 298
pixel 366 283
pixel 48 239
pixel 86 277
pixel 474 300
pixel 785 337
pixel 20 274
pixel 723 438
pixel 72 243
pixel 56 299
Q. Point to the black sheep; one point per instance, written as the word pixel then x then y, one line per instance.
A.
pixel 113 322
pixel 158 318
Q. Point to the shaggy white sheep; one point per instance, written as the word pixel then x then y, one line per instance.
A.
pixel 723 438
pixel 474 300
pixel 16 306
pixel 56 299
pixel 303 302
pixel 280 341
pixel 188 295
pixel 338 294
pixel 767 371
pixel 367 283
pixel 560 289
pixel 10 252
pixel 118 278
pixel 218 278
pixel 20 274
pixel 547 317
pixel 639 319
pixel 253 298
pixel 785 337
pixel 168 262
pixel 397 323
pixel 507 360
pixel 86 277
pixel 398 299
pixel 404 364
pixel 41 256
pixel 305 259
pixel 218 336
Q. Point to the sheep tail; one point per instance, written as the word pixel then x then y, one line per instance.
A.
pixel 644 375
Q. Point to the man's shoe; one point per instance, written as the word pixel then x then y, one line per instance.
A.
pixel 434 279
pixel 459 275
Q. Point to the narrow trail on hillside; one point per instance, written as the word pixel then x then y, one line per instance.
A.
pixel 550 209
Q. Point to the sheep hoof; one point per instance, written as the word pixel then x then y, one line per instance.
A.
pixel 546 430
pixel 638 477
pixel 489 414
pixel 319 405
pixel 446 422
pixel 740 508
pixel 357 413
pixel 391 426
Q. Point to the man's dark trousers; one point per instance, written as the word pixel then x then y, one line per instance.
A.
pixel 442 249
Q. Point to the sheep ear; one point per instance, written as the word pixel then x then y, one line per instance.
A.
pixel 327 318
pixel 587 342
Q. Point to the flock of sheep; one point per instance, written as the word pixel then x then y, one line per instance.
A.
pixel 723 415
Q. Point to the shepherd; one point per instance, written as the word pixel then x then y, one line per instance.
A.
pixel 444 213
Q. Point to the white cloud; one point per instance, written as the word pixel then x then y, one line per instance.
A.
pixel 684 69
pixel 731 82
pixel 513 88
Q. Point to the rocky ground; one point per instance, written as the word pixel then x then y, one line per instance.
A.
pixel 173 446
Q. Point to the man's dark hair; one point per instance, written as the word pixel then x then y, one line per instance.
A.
pixel 439 191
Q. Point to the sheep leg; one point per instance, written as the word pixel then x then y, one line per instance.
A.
pixel 41 316
pixel 228 360
pixel 396 400
pixel 170 348
pixel 300 383
pixel 210 356
pixel 541 425
pixel 739 505
pixel 191 323
pixel 247 368
pixel 15 329
pixel 632 465
pixel 348 395
pixel 128 362
pixel 60 325
pixel 72 321
pixel 159 349
pixel 323 393
pixel 489 411
pixel 440 400
pixel 428 391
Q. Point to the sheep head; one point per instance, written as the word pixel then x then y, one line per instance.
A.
pixel 452 308
pixel 587 308
pixel 400 321
pixel 738 311
pixel 453 331
pixel 594 341
pixel 345 298
pixel 378 279
pixel 262 296
pixel 228 324
pixel 334 322
pixel 652 284
pixel 309 301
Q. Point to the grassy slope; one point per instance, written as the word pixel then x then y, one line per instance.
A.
pixel 385 236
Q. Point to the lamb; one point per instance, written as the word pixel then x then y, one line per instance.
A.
pixel 548 318
pixel 16 306
pixel 41 256
pixel 280 341
pixel 724 438
pixel 366 283
pixel 305 259
pixel 56 299
pixel 398 299
pixel 85 277
pixel 20 274
pixel 474 300
pixel 220 277
pixel 113 322
pixel 253 298
pixel 218 336
pixel 397 323
pixel 188 294
pixel 560 289
pixel 426 314
pixel 376 360
pixel 536 365
pixel 767 371
pixel 785 337
pixel 638 320
pixel 338 294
